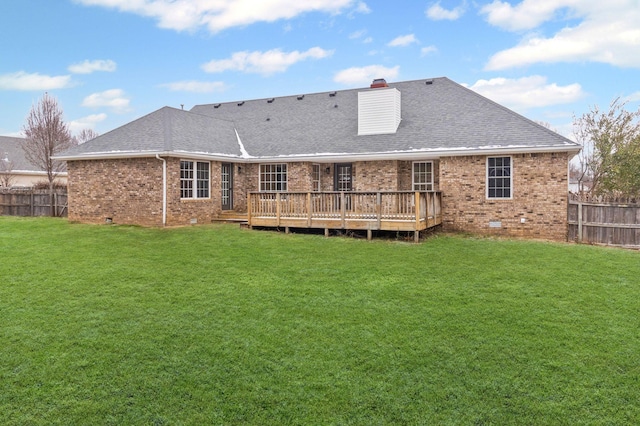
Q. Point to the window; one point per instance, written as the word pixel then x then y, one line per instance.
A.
pixel 315 178
pixel 194 179
pixel 423 176
pixel 273 177
pixel 499 183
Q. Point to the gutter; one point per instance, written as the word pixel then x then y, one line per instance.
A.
pixel 164 189
pixel 418 154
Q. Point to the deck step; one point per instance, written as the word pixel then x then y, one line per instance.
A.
pixel 231 216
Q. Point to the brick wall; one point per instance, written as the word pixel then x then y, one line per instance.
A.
pixel 299 177
pixel 128 191
pixel 187 211
pixel 539 197
pixel 375 176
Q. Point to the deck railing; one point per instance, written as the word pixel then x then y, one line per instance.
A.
pixel 380 210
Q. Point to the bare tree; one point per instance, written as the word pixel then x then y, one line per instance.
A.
pixel 547 125
pixel 6 172
pixel 85 135
pixel 610 157
pixel 46 135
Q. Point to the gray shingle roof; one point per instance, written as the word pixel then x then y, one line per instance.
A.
pixel 11 149
pixel 437 118
pixel 163 131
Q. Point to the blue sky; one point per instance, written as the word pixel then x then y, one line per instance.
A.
pixel 111 61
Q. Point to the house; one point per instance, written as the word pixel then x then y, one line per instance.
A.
pixel 16 170
pixel 398 156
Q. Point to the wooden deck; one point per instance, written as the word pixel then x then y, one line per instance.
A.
pixel 370 211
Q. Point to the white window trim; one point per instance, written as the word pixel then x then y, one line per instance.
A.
pixel 486 171
pixel 286 181
pixel 413 182
pixel 313 178
pixel 195 180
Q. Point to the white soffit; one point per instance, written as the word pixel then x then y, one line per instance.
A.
pixel 378 111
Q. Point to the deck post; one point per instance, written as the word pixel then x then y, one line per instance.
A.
pixel 277 209
pixel 326 232
pixel 249 209
pixel 433 208
pixel 417 207
pixel 369 234
pixel 379 209
pixel 309 209
pixel 342 209
pixel 416 236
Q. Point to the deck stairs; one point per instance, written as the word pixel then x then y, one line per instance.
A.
pixel 232 216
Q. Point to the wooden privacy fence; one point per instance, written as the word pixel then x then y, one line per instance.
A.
pixel 610 223
pixel 32 202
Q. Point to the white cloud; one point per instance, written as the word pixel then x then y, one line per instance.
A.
pixel 114 99
pixel 23 81
pixel 527 92
pixel 634 97
pixel 218 15
pixel 87 66
pixel 404 40
pixel 368 40
pixel 362 8
pixel 438 13
pixel 265 63
pixel 357 34
pixel 608 32
pixel 88 122
pixel 195 86
pixel 427 50
pixel 362 76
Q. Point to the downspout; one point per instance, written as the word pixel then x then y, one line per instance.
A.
pixel 164 189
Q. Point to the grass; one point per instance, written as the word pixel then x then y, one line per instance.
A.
pixel 211 324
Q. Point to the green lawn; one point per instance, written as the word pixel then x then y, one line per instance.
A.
pixel 118 325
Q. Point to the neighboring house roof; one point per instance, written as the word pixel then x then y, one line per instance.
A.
pixel 167 130
pixel 11 150
pixel 438 117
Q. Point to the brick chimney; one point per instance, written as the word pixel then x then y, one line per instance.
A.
pixel 379 82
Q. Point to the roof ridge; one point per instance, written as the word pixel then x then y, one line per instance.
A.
pixel 324 92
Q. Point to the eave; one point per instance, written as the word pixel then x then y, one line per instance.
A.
pixel 330 157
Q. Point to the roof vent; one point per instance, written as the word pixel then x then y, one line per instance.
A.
pixel 270 101
pixel 301 97
pixel 428 82
pixel 379 82
pixel 240 103
pixel 332 94
pixel 216 106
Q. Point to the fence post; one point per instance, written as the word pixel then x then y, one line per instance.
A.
pixel 31 206
pixel 579 222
